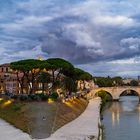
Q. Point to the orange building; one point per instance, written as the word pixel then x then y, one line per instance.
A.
pixel 8 80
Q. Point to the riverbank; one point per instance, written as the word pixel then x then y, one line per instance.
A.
pixel 84 127
pixel 48 117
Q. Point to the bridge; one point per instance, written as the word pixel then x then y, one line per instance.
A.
pixel 116 92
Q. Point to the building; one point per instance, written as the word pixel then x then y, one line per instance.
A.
pixel 127 81
pixel 8 80
pixel 9 83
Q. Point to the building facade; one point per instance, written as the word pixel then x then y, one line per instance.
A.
pixel 8 80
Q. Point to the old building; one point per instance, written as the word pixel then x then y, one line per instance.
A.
pixel 8 80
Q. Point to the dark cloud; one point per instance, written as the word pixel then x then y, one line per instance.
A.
pixel 83 32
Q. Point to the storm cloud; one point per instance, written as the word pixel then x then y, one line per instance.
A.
pixel 101 36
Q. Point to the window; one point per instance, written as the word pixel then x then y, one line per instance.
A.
pixel 6 69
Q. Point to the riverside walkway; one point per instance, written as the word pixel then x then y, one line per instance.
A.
pixel 82 128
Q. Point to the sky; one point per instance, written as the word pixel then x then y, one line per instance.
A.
pixel 100 36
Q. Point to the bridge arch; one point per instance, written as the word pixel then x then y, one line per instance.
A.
pixel 130 91
pixel 105 92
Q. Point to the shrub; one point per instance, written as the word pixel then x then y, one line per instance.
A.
pixel 54 96
pixel 14 97
pixel 23 97
pixel 43 97
pixel 33 97
pixel 17 106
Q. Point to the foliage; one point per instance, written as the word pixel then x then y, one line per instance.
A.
pixel 70 85
pixel 108 81
pixel 117 81
pixel 134 83
pixel 28 68
pixel 33 97
pixel 43 78
pixel 17 106
pixel 105 97
pixel 82 75
pixel 103 81
pixel 58 66
pixel 14 97
pixel 23 97
pixel 43 97
pixel 57 84
pixel 54 96
pixel 53 70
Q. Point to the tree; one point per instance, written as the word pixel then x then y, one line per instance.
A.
pixel 58 66
pixel 69 85
pixel 104 81
pixel 43 78
pixel 82 76
pixel 134 83
pixel 118 81
pixel 30 69
pixel 20 72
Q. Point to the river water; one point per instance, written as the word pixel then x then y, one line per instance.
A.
pixel 122 119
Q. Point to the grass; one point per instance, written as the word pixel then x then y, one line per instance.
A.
pixel 69 111
pixel 14 114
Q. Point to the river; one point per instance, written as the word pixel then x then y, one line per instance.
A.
pixel 121 119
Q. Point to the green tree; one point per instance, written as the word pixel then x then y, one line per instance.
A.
pixel 82 75
pixel 118 81
pixel 20 72
pixel 69 85
pixel 30 69
pixel 134 83
pixel 44 78
pixel 104 81
pixel 58 66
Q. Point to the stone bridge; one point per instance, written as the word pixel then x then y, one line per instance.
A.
pixel 116 92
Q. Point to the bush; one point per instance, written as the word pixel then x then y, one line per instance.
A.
pixel 54 96
pixel 23 97
pixel 14 97
pixel 33 97
pixel 17 106
pixel 105 98
pixel 43 97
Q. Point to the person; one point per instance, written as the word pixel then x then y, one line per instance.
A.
pixel 43 118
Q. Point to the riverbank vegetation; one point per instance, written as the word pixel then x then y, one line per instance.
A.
pixel 105 97
pixel 108 81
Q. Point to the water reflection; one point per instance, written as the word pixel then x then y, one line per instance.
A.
pixel 122 119
pixel 139 112
pixel 115 118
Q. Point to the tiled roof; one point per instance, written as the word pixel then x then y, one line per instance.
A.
pixel 5 65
